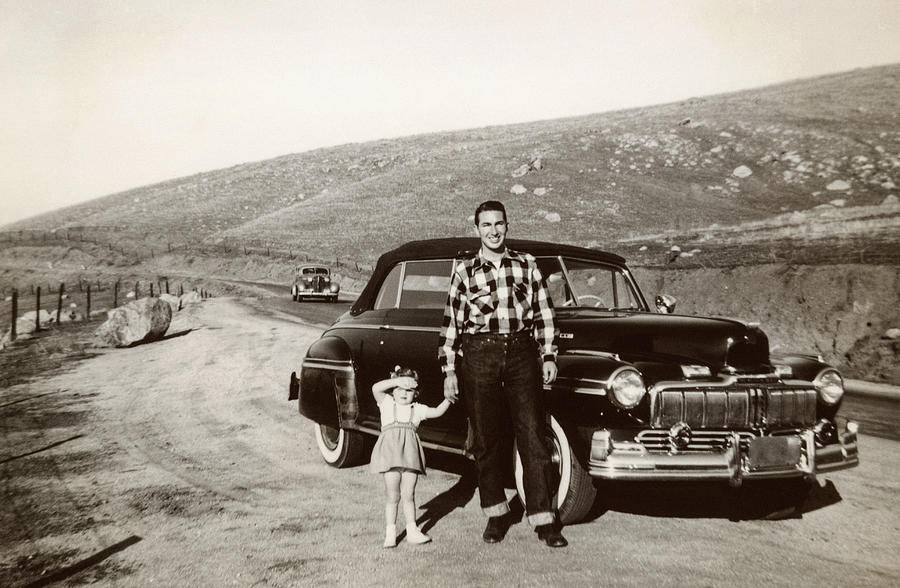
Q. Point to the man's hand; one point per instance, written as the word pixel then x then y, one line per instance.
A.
pixel 451 387
pixel 549 374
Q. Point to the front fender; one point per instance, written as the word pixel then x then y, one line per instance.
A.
pixel 579 395
pixel 805 368
pixel 328 384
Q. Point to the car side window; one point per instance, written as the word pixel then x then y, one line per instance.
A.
pixel 624 295
pixel 387 295
pixel 555 281
pixel 426 283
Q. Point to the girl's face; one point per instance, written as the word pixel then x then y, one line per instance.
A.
pixel 404 396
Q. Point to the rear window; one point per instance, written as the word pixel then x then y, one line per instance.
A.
pixel 425 284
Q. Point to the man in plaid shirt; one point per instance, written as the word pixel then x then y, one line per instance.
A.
pixel 498 325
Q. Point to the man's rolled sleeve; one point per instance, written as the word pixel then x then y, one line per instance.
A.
pixel 454 319
pixel 544 315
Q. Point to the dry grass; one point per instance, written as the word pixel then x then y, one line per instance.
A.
pixel 608 176
pixel 46 352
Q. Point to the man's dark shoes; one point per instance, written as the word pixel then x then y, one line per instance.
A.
pixel 551 535
pixel 495 530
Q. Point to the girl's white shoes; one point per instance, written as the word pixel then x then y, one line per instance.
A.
pixel 390 536
pixel 415 536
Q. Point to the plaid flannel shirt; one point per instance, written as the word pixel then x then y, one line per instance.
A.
pixel 488 299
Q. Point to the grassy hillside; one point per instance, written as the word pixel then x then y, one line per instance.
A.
pixel 587 180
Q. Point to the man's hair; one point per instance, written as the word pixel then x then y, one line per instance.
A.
pixel 487 205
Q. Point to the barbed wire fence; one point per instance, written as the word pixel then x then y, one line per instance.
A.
pixel 144 246
pixel 83 301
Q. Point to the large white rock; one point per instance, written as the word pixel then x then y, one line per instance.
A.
pixel 889 200
pixel 172 300
pixel 518 190
pixel 140 321
pixel 838 185
pixel 25 324
pixel 191 297
pixel 742 171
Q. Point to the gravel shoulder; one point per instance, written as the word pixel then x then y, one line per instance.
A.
pixel 182 463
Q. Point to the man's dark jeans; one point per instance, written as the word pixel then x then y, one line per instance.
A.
pixel 501 384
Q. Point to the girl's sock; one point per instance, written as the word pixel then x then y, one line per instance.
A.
pixel 390 536
pixel 415 536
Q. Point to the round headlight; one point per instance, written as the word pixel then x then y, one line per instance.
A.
pixel 626 388
pixel 830 386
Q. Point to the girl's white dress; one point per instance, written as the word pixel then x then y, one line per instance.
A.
pixel 398 446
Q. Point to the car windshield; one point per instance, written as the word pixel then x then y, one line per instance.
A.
pixel 579 283
pixel 307 271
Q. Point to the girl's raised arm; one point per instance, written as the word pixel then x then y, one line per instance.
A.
pixel 382 386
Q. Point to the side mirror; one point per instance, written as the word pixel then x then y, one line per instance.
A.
pixel 665 304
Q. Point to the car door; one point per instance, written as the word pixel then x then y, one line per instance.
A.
pixel 414 330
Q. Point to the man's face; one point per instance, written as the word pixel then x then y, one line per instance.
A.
pixel 491 230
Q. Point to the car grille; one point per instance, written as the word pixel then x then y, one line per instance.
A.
pixel 736 407
pixel 700 441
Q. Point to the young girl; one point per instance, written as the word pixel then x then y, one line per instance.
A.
pixel 398 453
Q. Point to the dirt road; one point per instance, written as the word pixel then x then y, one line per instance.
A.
pixel 180 463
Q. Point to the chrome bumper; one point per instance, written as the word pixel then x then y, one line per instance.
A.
pixel 628 460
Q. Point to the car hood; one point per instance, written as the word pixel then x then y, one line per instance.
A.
pixel 720 344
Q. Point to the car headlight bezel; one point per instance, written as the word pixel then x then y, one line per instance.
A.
pixel 626 387
pixel 829 386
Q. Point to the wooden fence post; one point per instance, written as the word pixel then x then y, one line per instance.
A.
pixel 87 312
pixel 151 289
pixel 137 289
pixel 14 313
pixel 37 314
pixel 181 289
pixel 167 286
pixel 62 288
pixel 116 294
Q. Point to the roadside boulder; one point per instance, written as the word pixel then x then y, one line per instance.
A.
pixel 140 321
pixel 191 297
pixel 172 300
pixel 25 324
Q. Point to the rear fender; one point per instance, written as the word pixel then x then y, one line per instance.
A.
pixel 328 384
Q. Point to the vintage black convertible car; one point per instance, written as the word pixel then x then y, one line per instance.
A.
pixel 642 394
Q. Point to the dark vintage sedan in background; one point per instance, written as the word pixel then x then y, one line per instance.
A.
pixel 314 282
pixel 642 394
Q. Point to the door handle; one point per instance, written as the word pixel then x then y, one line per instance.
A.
pixel 386 328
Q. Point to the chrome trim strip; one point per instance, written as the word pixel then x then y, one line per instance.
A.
pixel 327 364
pixel 604 354
pixel 388 327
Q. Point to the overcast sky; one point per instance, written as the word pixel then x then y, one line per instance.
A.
pixel 101 96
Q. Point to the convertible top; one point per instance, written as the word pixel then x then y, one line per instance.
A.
pixel 460 247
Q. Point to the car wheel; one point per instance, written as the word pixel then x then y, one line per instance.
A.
pixel 340 448
pixel 294 297
pixel 575 490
